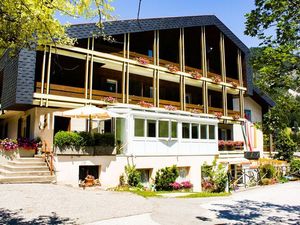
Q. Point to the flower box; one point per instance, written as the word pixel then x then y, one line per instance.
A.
pixel 85 151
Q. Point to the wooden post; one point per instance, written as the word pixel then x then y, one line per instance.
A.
pixel 204 70
pixel 240 69
pixel 127 69
pixel 48 76
pixel 86 84
pixel 154 71
pixel 91 69
pixel 223 72
pixel 43 74
pixel 124 71
pixel 242 104
pixel 157 71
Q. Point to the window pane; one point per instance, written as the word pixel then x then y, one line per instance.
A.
pixel 151 128
pixel 164 129
pixel 185 130
pixel 203 131
pixel 174 129
pixel 211 132
pixel 195 131
pixel 139 127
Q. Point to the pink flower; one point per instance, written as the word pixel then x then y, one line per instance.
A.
pixel 110 99
pixel 175 185
pixel 172 68
pixel 145 104
pixel 186 184
pixel 170 107
pixel 142 60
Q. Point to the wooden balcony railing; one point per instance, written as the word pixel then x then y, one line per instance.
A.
pixel 76 92
pixel 163 63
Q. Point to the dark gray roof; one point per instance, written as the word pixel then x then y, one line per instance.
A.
pixel 81 31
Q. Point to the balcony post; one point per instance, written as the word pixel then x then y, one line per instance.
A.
pixel 48 75
pixel 223 73
pixel 157 71
pixel 124 70
pixel 242 104
pixel 43 74
pixel 239 64
pixel 127 69
pixel 154 70
pixel 86 83
pixel 91 69
pixel 182 68
pixel 204 70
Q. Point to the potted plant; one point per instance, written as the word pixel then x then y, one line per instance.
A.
pixel 172 68
pixel 234 84
pixel 142 60
pixel 196 75
pixel 110 99
pixel 217 79
pixel 145 104
pixel 236 117
pixel 170 107
pixel 219 115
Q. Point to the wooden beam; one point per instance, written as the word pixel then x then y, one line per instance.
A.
pixel 48 75
pixel 242 104
pixel 203 52
pixel 127 68
pixel 43 75
pixel 240 68
pixel 86 83
pixel 91 69
pixel 124 70
pixel 157 71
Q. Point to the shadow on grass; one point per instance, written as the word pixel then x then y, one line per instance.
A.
pixel 257 213
pixel 9 217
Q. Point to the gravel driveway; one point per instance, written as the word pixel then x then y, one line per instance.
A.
pixel 54 204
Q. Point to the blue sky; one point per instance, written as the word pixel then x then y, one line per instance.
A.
pixel 230 12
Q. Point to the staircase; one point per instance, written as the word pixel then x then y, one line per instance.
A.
pixel 25 170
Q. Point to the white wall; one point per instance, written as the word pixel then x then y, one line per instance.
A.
pixel 111 167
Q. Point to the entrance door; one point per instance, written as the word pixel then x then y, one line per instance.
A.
pixel 61 124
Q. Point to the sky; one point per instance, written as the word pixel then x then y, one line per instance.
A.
pixel 230 12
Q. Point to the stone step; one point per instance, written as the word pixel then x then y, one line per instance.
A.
pixel 17 163
pixel 27 179
pixel 24 168
pixel 31 159
pixel 7 173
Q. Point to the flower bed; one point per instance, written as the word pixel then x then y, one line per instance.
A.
pixel 22 147
pixel 230 145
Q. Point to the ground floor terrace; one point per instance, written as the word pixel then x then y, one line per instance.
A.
pixel 149 138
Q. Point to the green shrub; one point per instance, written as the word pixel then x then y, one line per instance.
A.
pixel 87 138
pixel 133 176
pixel 267 171
pixel 220 178
pixel 64 139
pixel 295 165
pixel 164 177
pixel 106 139
pixel 285 146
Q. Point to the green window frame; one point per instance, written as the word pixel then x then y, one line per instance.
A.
pixel 139 127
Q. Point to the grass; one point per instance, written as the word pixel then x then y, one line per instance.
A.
pixel 157 194
pixel 205 195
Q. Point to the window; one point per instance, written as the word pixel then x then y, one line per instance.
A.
pixel 145 176
pixel 182 174
pixel 211 132
pixel 173 129
pixel 163 129
pixel 112 85
pixel 139 127
pixel 185 130
pixel 203 131
pixel 195 131
pixel 248 114
pixel 151 128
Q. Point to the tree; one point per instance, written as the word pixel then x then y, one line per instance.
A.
pixel 277 24
pixel 24 23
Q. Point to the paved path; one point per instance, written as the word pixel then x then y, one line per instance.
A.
pixel 54 204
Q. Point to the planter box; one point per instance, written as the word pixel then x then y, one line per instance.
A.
pixel 104 150
pixel 16 153
pixel 252 155
pixel 88 150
